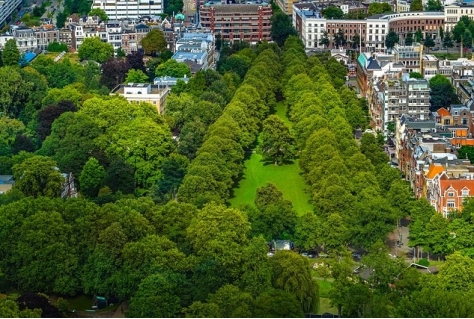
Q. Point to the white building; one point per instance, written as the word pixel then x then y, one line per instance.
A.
pixel 453 13
pixel 143 92
pixel 377 29
pixel 6 8
pixel 129 9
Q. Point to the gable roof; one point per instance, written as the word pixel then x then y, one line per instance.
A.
pixel 373 65
pixel 443 112
pixel 434 169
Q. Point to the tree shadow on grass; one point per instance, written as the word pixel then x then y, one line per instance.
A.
pixel 272 162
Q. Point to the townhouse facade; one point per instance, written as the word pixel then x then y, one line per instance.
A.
pixel 427 156
pixel 397 94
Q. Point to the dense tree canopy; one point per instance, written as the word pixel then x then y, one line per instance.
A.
pixel 154 223
pixel 154 42
pixel 442 92
pixel 94 49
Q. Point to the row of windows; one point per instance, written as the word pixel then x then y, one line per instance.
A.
pixel 465 192
pixel 376 31
pixel 455 11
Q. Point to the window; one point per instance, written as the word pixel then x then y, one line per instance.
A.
pixel 451 204
pixel 450 194
pixel 465 192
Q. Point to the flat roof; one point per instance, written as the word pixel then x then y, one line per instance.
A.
pixel 155 89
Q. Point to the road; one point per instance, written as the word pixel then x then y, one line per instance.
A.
pixel 56 4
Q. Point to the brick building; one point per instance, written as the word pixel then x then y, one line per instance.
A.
pixel 234 22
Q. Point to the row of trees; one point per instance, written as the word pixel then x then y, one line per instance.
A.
pixel 358 199
pixel 346 191
pixel 219 160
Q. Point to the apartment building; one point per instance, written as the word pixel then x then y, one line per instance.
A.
pixel 373 29
pixel 397 94
pixel 248 22
pixel 453 14
pixel 377 30
pixel 6 9
pixel 409 56
pixel 129 9
pixel 311 26
pixel 286 5
pixel 410 22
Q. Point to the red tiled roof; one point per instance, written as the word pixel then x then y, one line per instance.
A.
pixel 457 184
pixel 443 112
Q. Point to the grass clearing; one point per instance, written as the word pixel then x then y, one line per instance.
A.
pixel 286 177
pixel 72 57
pixel 324 287
pixel 325 306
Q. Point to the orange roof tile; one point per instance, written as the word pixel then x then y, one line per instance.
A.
pixel 457 184
pixel 443 112
pixel 434 169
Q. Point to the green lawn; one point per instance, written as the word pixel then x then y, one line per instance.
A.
pixel 324 301
pixel 324 306
pixel 324 287
pixel 286 177
pixel 452 55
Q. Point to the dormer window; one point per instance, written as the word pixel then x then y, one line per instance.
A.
pixel 450 194
pixel 465 192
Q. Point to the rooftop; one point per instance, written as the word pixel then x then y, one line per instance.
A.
pixel 120 89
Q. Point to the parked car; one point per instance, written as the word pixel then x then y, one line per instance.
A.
pixel 435 49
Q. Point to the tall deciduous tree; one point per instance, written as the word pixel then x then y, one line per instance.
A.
pixel 391 39
pixel 324 39
pixel 409 39
pixel 292 274
pixel 333 12
pixel 136 76
pixel 277 144
pixel 94 49
pixel 91 177
pixel 448 41
pixel 38 176
pixel 114 72
pixel 100 13
pixel 434 5
pixel 50 113
pixel 282 28
pixel 442 92
pixel 379 7
pixel 416 5
pixel 429 42
pixel 173 68
pixel 135 59
pixel 162 290
pixel 154 42
pixel 10 53
pixel 418 35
